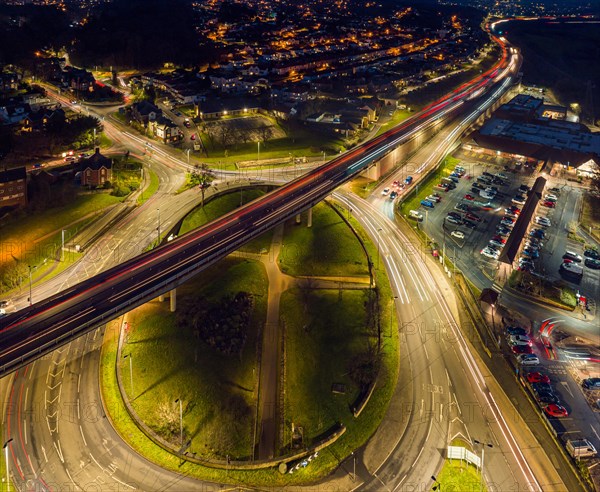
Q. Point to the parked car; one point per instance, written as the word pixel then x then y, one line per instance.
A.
pixel 462 206
pixel 541 387
pixel 453 220
pixel 472 216
pixel 427 203
pixel 592 263
pixel 469 197
pixel 458 234
pixel 434 198
pixel 521 349
pixel 520 340
pixel 556 410
pixel 547 397
pixel 531 253
pixel 543 221
pixel 524 188
pixel 551 197
pixel 528 360
pixel 500 239
pixel 516 330
pixel 502 230
pixel 537 377
pixel 592 253
pixel 539 233
pixel 549 204
pixel 469 224
pixel 490 253
pixel 591 383
pixel 519 200
pixel 571 255
pixel 495 243
pixel 514 209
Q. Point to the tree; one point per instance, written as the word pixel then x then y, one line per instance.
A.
pixel 202 176
pixel 266 132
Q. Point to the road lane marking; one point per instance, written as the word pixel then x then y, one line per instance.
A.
pixel 82 436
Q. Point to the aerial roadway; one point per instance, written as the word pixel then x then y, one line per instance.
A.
pixel 38 329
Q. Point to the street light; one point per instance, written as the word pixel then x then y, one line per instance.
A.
pixel 483 445
pixel 180 421
pixel 130 371
pixel 378 238
pixel 158 228
pixel 258 152
pixel 353 467
pixel 393 298
pixel 30 289
pixel 5 447
pixel 493 318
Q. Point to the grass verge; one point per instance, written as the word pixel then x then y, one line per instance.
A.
pixel 221 205
pixel 423 189
pixel 151 189
pixel 590 215
pixel 457 475
pixel 398 117
pixel 328 248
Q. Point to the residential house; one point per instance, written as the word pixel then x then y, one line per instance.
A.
pixel 39 120
pixel 13 187
pixel 96 170
pixel 144 112
pixel 13 113
pixel 9 81
pixel 166 130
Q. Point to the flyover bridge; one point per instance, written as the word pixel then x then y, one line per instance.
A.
pixel 39 329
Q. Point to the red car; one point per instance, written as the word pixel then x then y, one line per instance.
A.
pixel 469 197
pixel 554 410
pixel 474 217
pixel 522 349
pixel 193 137
pixel 537 377
pixel 549 204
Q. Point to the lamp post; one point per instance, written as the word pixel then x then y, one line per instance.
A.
pixel 130 371
pixel 393 298
pixel 378 239
pixel 353 467
pixel 158 227
pixel 493 318
pixel 258 152
pixel 30 287
pixel 483 445
pixel 180 420
pixel 5 447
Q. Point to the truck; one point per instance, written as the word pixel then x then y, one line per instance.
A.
pixel 581 448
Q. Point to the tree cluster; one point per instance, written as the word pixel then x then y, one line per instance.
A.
pixel 223 325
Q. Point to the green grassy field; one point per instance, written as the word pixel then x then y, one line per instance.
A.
pixel 459 477
pixel 328 248
pixel 398 117
pixel 221 205
pixel 151 189
pixel 425 188
pixel 34 239
pixel 218 391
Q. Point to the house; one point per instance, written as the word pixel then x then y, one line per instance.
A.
pixel 9 81
pixel 143 112
pixel 166 130
pixel 13 187
pixel 13 113
pixel 96 170
pixel 39 120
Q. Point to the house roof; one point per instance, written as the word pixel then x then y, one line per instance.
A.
pixel 14 174
pixel 96 161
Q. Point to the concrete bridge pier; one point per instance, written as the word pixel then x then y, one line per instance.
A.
pixel 309 222
pixel 173 300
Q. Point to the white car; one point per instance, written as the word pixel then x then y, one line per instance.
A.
pixel 385 191
pixel 458 234
pixel 528 360
pixel 490 253
pixel 543 221
pixel 519 340
pixel 551 197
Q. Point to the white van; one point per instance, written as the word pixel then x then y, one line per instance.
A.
pixel 415 214
pixel 581 448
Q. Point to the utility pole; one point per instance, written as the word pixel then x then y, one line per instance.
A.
pixel 483 445
pixel 6 460
pixel 180 421
pixel 158 227
pixel 30 287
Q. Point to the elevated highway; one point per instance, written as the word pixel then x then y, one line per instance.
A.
pixel 38 329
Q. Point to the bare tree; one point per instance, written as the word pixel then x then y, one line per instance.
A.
pixel 202 176
pixel 266 132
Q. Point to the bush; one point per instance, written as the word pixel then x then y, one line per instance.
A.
pixel 120 190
